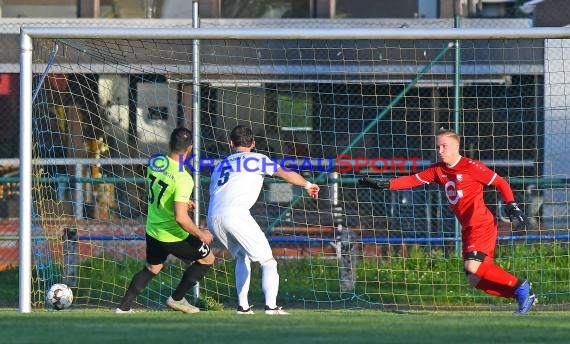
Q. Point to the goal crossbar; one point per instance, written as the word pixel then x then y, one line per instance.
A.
pixel 291 34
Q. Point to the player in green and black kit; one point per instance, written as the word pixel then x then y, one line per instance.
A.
pixel 169 228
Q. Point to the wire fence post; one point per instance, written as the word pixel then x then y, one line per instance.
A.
pixel 343 237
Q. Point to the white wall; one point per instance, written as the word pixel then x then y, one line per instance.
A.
pixel 38 11
pixel 557 127
pixel 177 9
pixel 152 135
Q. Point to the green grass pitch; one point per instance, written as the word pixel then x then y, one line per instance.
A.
pixel 303 326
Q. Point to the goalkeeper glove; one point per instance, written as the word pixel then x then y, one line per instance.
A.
pixel 516 215
pixel 375 184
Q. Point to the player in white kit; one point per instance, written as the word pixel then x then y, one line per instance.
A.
pixel 234 188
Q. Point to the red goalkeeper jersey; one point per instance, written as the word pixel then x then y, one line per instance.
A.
pixel 463 185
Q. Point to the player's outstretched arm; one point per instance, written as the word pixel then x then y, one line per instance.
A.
pixel 297 179
pixel 375 184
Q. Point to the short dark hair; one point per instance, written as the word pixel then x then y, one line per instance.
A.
pixel 180 140
pixel 241 136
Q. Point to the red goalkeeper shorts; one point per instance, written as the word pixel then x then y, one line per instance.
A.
pixel 480 239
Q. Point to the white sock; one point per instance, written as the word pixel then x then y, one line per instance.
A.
pixel 243 274
pixel 270 282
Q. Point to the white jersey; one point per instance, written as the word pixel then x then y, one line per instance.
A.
pixel 237 181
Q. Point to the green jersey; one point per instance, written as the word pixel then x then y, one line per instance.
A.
pixel 165 188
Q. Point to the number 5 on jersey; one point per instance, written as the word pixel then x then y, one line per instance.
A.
pixel 224 175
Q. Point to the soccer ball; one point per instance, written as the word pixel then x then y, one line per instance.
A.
pixel 59 296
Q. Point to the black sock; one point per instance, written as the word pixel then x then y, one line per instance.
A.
pixel 192 275
pixel 138 283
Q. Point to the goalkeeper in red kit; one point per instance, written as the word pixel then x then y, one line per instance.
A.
pixel 463 180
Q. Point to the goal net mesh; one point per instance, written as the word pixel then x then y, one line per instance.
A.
pixel 335 109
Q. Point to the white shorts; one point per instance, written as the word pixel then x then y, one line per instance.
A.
pixel 239 233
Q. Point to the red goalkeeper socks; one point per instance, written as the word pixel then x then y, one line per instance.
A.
pixel 496 281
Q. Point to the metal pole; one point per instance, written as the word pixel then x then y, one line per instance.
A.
pixel 457 102
pixel 196 123
pixel 70 256
pixel 196 111
pixel 25 261
pixel 78 192
pixel 343 238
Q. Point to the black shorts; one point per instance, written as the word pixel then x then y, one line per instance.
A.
pixel 188 250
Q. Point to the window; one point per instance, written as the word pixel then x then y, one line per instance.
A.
pixel 265 9
pixel 294 111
